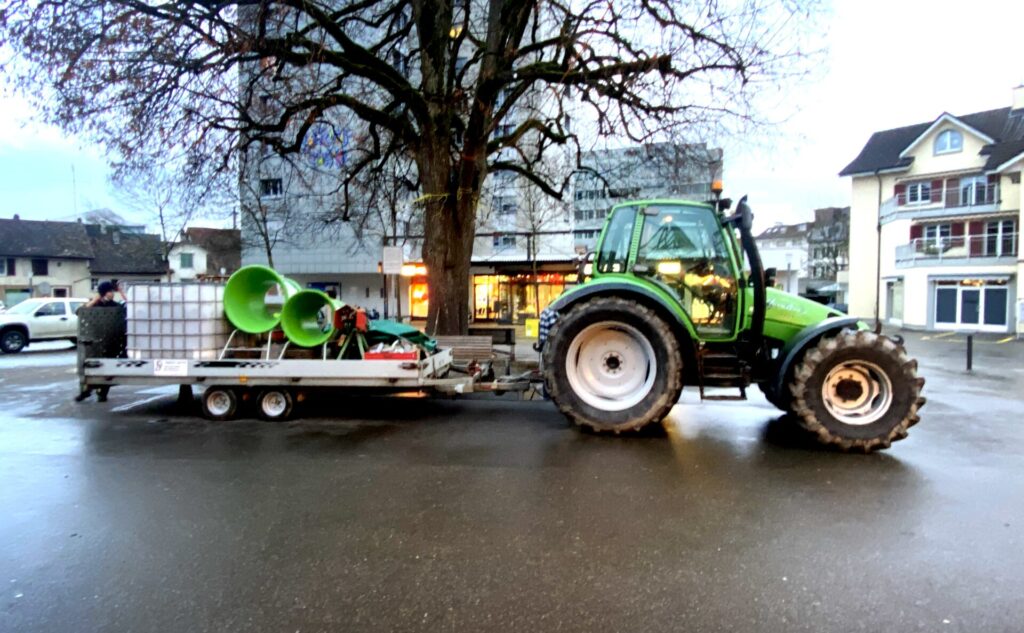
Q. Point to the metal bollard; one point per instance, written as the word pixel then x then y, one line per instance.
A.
pixel 970 351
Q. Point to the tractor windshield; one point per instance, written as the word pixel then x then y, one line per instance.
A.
pixel 683 248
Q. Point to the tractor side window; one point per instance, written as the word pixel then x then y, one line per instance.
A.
pixel 614 252
pixel 683 249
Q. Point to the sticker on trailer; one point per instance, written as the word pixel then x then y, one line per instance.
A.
pixel 170 367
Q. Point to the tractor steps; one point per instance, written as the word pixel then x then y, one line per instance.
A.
pixel 721 369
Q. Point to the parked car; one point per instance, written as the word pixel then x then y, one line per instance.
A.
pixel 41 319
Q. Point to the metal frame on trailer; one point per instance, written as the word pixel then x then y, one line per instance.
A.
pixel 396 374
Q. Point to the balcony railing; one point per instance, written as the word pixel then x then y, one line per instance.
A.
pixel 973 195
pixel 959 248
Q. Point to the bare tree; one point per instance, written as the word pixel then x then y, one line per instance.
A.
pixel 172 196
pixel 442 83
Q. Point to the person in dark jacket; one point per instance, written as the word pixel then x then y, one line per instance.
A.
pixel 104 298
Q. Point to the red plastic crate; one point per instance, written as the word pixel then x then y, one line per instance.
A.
pixel 413 355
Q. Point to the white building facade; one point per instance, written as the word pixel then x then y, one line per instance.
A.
pixel 784 247
pixel 935 222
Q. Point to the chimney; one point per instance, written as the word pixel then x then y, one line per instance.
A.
pixel 1018 98
pixel 17 217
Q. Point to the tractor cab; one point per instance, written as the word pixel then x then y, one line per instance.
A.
pixel 683 250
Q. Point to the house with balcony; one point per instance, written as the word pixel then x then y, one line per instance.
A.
pixel 784 248
pixel 935 222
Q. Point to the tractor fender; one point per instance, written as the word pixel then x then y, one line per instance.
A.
pixel 678 322
pixel 794 349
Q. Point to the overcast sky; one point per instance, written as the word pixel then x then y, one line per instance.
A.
pixel 889 64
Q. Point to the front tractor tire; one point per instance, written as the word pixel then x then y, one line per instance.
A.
pixel 613 365
pixel 857 391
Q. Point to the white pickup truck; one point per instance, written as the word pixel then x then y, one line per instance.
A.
pixel 42 319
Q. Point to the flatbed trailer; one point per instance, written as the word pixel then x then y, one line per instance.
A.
pixel 277 384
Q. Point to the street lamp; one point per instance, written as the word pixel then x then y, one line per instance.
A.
pixel 789 272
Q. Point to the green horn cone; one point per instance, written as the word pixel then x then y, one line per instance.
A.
pixel 245 298
pixel 308 318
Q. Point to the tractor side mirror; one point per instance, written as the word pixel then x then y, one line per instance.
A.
pixel 746 216
pixel 769 277
pixel 724 205
pixel 743 218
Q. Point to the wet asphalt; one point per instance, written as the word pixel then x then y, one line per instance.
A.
pixel 494 515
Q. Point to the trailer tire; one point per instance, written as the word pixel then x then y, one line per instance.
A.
pixel 613 365
pixel 220 403
pixel 274 405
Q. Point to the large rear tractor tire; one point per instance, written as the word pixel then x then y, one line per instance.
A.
pixel 857 390
pixel 613 365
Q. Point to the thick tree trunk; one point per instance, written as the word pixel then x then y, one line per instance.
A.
pixel 447 251
pixel 450 197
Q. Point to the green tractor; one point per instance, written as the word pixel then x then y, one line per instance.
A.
pixel 668 302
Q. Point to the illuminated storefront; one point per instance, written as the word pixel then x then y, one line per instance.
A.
pixel 513 298
pixel 503 295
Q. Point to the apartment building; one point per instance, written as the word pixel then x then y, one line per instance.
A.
pixel 935 221
pixel 784 247
pixel 656 170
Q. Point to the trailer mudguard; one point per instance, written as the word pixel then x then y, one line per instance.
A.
pixel 793 350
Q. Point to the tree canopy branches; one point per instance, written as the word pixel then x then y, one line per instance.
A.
pixel 459 88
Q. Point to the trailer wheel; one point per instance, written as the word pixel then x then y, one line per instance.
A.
pixel 274 405
pixel 220 403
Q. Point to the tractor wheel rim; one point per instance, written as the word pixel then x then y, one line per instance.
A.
pixel 857 392
pixel 274 404
pixel 219 403
pixel 611 366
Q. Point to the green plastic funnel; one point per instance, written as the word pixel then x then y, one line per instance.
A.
pixel 308 318
pixel 246 302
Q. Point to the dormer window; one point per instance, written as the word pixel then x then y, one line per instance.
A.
pixel 949 142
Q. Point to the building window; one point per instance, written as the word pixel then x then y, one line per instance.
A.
pixel 186 260
pixel 40 267
pixel 919 192
pixel 976 190
pixel 937 235
pixel 505 206
pixel 1000 238
pixel 7 267
pixel 972 302
pixel 503 130
pixel 504 241
pixel 948 142
pixel 271 187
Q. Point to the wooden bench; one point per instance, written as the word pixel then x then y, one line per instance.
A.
pixel 468 348
pixel 478 348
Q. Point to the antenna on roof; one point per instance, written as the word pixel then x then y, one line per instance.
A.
pixel 74 191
